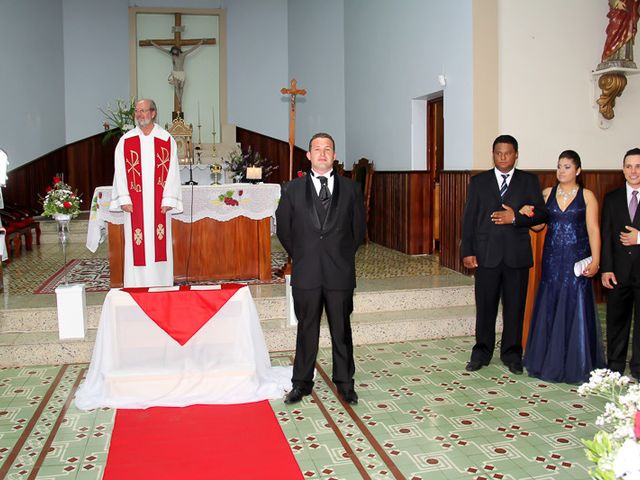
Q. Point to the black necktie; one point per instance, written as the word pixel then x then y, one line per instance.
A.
pixel 325 196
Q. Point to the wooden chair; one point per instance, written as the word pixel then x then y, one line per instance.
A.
pixel 362 173
pixel 338 167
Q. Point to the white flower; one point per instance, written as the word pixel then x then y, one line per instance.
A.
pixel 627 461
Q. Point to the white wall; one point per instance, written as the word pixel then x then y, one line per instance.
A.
pixel 32 122
pixel 96 62
pixel 316 60
pixel 547 52
pixel 257 65
pixel 394 52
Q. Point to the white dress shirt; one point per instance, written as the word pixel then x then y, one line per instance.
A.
pixel 629 195
pixel 316 181
pixel 499 176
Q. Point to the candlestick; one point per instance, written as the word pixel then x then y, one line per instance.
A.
pixel 198 113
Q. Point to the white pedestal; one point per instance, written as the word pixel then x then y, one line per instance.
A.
pixel 291 314
pixel 72 311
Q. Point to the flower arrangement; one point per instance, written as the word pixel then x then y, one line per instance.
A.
pixel 616 453
pixel 119 121
pixel 238 162
pixel 60 199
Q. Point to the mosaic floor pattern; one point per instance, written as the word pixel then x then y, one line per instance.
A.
pixel 420 416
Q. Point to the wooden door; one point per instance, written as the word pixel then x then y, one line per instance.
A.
pixel 435 163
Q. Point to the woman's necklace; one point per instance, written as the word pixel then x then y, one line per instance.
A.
pixel 565 196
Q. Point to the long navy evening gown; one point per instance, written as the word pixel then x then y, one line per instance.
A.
pixel 564 342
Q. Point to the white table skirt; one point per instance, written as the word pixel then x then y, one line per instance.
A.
pixel 253 201
pixel 136 364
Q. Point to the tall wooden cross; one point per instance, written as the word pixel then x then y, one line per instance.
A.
pixel 177 41
pixel 292 91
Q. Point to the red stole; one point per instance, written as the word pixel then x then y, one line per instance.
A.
pixel 133 164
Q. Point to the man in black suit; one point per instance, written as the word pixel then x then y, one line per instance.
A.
pixel 320 221
pixel 621 267
pixel 495 241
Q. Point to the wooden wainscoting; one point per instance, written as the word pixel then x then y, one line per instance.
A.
pixel 400 211
pixel 276 151
pixel 86 164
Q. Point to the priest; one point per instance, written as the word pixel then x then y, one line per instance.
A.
pixel 146 186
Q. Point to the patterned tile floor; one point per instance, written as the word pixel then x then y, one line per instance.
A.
pixel 420 416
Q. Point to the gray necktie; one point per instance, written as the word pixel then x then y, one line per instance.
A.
pixel 325 196
pixel 504 186
pixel 633 204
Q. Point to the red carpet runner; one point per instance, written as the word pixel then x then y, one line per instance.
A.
pixel 200 442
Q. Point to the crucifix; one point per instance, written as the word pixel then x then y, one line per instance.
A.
pixel 177 76
pixel 292 91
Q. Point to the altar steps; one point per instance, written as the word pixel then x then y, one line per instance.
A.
pixel 30 337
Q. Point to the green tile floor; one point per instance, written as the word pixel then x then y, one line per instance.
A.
pixel 420 416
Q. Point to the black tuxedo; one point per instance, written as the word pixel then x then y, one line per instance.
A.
pixel 624 262
pixel 503 253
pixel 322 245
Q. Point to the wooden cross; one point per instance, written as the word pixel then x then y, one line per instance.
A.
pixel 292 92
pixel 177 41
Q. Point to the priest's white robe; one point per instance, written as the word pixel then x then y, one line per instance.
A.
pixel 153 273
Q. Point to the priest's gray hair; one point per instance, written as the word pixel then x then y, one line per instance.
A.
pixel 152 104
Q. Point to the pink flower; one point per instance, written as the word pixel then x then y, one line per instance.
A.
pixel 636 425
pixel 66 205
pixel 56 180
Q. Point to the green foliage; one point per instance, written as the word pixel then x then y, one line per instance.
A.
pixel 121 119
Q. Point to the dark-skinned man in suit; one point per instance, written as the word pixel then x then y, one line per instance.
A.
pixel 320 223
pixel 495 242
pixel 620 265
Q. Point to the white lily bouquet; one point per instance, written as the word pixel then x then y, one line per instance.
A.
pixel 615 451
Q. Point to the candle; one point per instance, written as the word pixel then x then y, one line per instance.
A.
pixel 213 124
pixel 198 113
pixel 254 173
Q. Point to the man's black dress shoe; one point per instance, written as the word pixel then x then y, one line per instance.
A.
pixel 515 368
pixel 474 365
pixel 351 397
pixel 295 395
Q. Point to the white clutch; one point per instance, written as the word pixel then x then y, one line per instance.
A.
pixel 580 265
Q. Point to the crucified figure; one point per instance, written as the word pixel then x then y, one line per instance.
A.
pixel 177 76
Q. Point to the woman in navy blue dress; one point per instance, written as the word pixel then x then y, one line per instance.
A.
pixel 564 342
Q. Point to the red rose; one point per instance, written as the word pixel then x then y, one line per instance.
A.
pixel 56 180
pixel 66 205
pixel 49 189
pixel 73 195
pixel 240 193
pixel 300 173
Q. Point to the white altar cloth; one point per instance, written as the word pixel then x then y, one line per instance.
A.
pixel 136 364
pixel 253 201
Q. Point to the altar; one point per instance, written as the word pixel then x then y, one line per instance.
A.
pixel 224 232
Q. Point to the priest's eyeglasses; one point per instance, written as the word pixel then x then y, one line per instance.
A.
pixel 144 110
